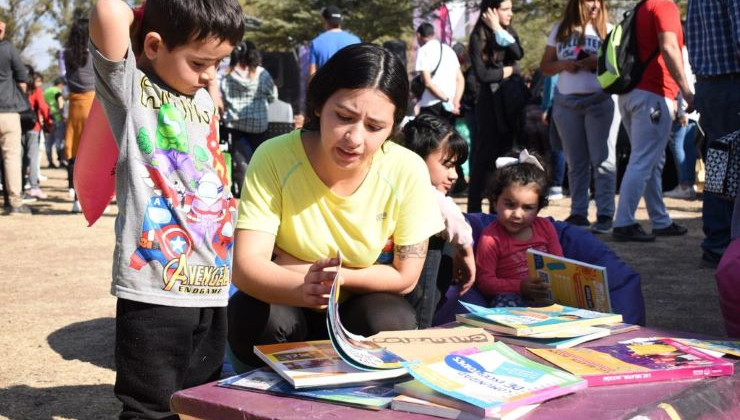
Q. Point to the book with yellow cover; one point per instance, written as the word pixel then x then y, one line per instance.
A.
pixel 648 359
pixel 572 282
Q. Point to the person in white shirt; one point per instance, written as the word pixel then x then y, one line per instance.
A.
pixel 445 85
pixel 584 115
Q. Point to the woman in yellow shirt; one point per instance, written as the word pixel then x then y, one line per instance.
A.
pixel 337 185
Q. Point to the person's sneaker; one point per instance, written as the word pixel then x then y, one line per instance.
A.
pixel 555 193
pixel 633 233
pixel 710 259
pixel 71 193
pixel 577 220
pixel 27 198
pixel 76 207
pixel 43 178
pixel 20 210
pixel 672 230
pixel 603 225
pixel 36 192
pixel 688 193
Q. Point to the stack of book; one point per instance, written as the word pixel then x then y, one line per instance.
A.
pixel 554 326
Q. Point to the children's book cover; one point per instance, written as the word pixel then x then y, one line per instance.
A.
pixel 572 282
pixel 638 360
pixel 523 321
pixel 731 347
pixel 373 397
pixel 590 334
pixel 387 350
pixel 448 409
pixel 313 364
pixel 494 378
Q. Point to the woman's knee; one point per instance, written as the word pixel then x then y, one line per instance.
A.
pixel 375 312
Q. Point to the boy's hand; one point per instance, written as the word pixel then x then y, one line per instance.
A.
pixel 534 289
pixel 318 281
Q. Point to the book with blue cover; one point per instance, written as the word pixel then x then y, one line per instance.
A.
pixel 494 378
pixel 373 397
pixel 523 321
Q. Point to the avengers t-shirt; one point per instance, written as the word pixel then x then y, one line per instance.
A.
pixel 174 228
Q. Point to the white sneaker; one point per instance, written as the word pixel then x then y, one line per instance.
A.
pixel 555 193
pixel 71 193
pixel 688 193
pixel 76 207
pixel 43 178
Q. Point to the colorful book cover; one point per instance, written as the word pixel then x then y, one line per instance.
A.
pixel 422 406
pixel 590 334
pixel 313 364
pixel 572 282
pixel 373 397
pixel 387 350
pixel 639 360
pixel 494 378
pixel 731 347
pixel 524 321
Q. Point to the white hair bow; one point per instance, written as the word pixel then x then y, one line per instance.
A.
pixel 524 157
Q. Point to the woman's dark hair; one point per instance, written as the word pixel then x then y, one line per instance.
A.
pixel 426 133
pixel 358 66
pixel 75 49
pixel 484 32
pixel 183 21
pixel 245 53
pixel 519 173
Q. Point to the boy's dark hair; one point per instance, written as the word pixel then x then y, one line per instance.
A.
pixel 425 30
pixel 358 66
pixel 59 80
pixel 427 133
pixel 519 173
pixel 333 16
pixel 183 21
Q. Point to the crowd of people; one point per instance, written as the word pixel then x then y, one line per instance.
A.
pixel 354 174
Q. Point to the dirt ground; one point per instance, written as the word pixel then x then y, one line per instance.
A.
pixel 56 311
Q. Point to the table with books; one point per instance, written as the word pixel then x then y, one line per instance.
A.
pixel 465 371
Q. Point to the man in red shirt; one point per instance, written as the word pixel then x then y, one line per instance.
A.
pixel 647 113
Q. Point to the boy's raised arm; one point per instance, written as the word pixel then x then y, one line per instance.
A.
pixel 110 21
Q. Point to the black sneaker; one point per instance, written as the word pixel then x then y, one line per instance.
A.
pixel 710 259
pixel 577 220
pixel 632 233
pixel 603 225
pixel 672 230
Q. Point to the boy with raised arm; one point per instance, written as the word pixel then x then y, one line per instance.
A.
pixel 174 227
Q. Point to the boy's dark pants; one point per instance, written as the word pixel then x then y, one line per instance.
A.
pixel 162 349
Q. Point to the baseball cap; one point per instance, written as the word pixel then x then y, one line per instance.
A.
pixel 331 12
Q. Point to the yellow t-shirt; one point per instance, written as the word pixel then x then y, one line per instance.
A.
pixel 283 196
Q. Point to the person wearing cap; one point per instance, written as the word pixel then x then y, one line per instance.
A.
pixel 333 39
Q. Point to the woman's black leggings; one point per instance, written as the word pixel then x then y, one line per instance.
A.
pixel 254 322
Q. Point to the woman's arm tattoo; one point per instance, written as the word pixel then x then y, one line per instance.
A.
pixel 412 251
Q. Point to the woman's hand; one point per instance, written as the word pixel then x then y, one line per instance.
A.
pixel 588 63
pixel 490 18
pixel 534 289
pixel 318 281
pixel 463 268
pixel 571 66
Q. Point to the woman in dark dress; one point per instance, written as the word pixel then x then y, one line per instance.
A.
pixel 494 52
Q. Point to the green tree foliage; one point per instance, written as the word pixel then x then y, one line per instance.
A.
pixel 286 24
pixel 27 20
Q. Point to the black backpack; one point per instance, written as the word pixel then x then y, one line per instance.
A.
pixel 618 67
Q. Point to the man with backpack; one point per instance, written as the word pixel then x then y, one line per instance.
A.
pixel 647 114
pixel 712 37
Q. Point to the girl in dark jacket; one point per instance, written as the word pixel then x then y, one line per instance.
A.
pixel 494 52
